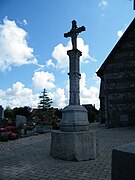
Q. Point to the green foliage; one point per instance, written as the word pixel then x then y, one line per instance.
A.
pixel 91 116
pixel 45 101
pixel 24 111
pixel 44 112
pixel 11 113
pixel 8 113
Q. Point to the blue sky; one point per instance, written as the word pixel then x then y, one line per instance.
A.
pixel 33 48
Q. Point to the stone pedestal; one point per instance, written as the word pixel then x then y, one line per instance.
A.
pixel 74 146
pixel 74 118
pixel 74 141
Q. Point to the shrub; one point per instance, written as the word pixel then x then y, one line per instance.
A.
pixel 91 116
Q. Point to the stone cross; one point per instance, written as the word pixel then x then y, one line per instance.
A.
pixel 74 141
pixel 73 33
pixel 74 74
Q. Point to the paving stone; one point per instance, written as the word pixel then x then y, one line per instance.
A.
pixel 29 158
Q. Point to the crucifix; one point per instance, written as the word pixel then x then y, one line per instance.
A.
pixel 73 33
pixel 74 70
pixel 74 141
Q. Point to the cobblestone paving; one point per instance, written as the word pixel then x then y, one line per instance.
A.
pixel 29 158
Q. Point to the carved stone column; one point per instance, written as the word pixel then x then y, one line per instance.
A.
pixel 74 76
pixel 74 116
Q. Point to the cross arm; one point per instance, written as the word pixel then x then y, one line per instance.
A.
pixel 68 34
pixel 80 29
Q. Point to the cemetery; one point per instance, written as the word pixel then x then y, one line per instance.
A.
pixel 21 126
pixel 30 157
pixel 68 146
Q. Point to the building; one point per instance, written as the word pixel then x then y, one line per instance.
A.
pixel 117 88
pixel 93 113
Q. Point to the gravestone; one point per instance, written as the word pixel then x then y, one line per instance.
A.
pixel 20 120
pixel 43 128
pixel 74 141
pixel 1 112
pixel 124 120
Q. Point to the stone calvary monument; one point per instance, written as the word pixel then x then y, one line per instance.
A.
pixel 74 141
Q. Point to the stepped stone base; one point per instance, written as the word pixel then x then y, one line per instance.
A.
pixel 74 146
pixel 74 118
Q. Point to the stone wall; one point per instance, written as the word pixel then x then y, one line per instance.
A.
pixel 117 93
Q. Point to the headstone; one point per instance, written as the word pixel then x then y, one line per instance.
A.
pixel 124 120
pixel 1 112
pixel 30 132
pixel 74 141
pixel 20 120
pixel 43 128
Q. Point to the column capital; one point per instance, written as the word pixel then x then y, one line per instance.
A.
pixel 74 52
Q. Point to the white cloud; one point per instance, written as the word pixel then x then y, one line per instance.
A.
pixel 58 98
pixel 85 58
pixel 60 54
pixel 41 67
pixel 120 33
pixel 49 63
pixel 88 95
pixel 96 79
pixel 43 80
pixel 14 49
pixel 103 4
pixel 25 22
pixel 18 96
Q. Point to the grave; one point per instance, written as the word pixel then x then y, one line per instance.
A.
pixel 20 122
pixel 43 128
pixel 74 141
pixel 1 112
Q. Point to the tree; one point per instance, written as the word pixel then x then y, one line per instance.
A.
pixel 24 111
pixel 45 102
pixel 91 116
pixel 44 112
pixel 8 113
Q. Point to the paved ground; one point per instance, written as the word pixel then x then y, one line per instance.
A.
pixel 29 159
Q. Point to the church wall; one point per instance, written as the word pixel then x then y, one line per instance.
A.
pixel 117 74
pixel 120 92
